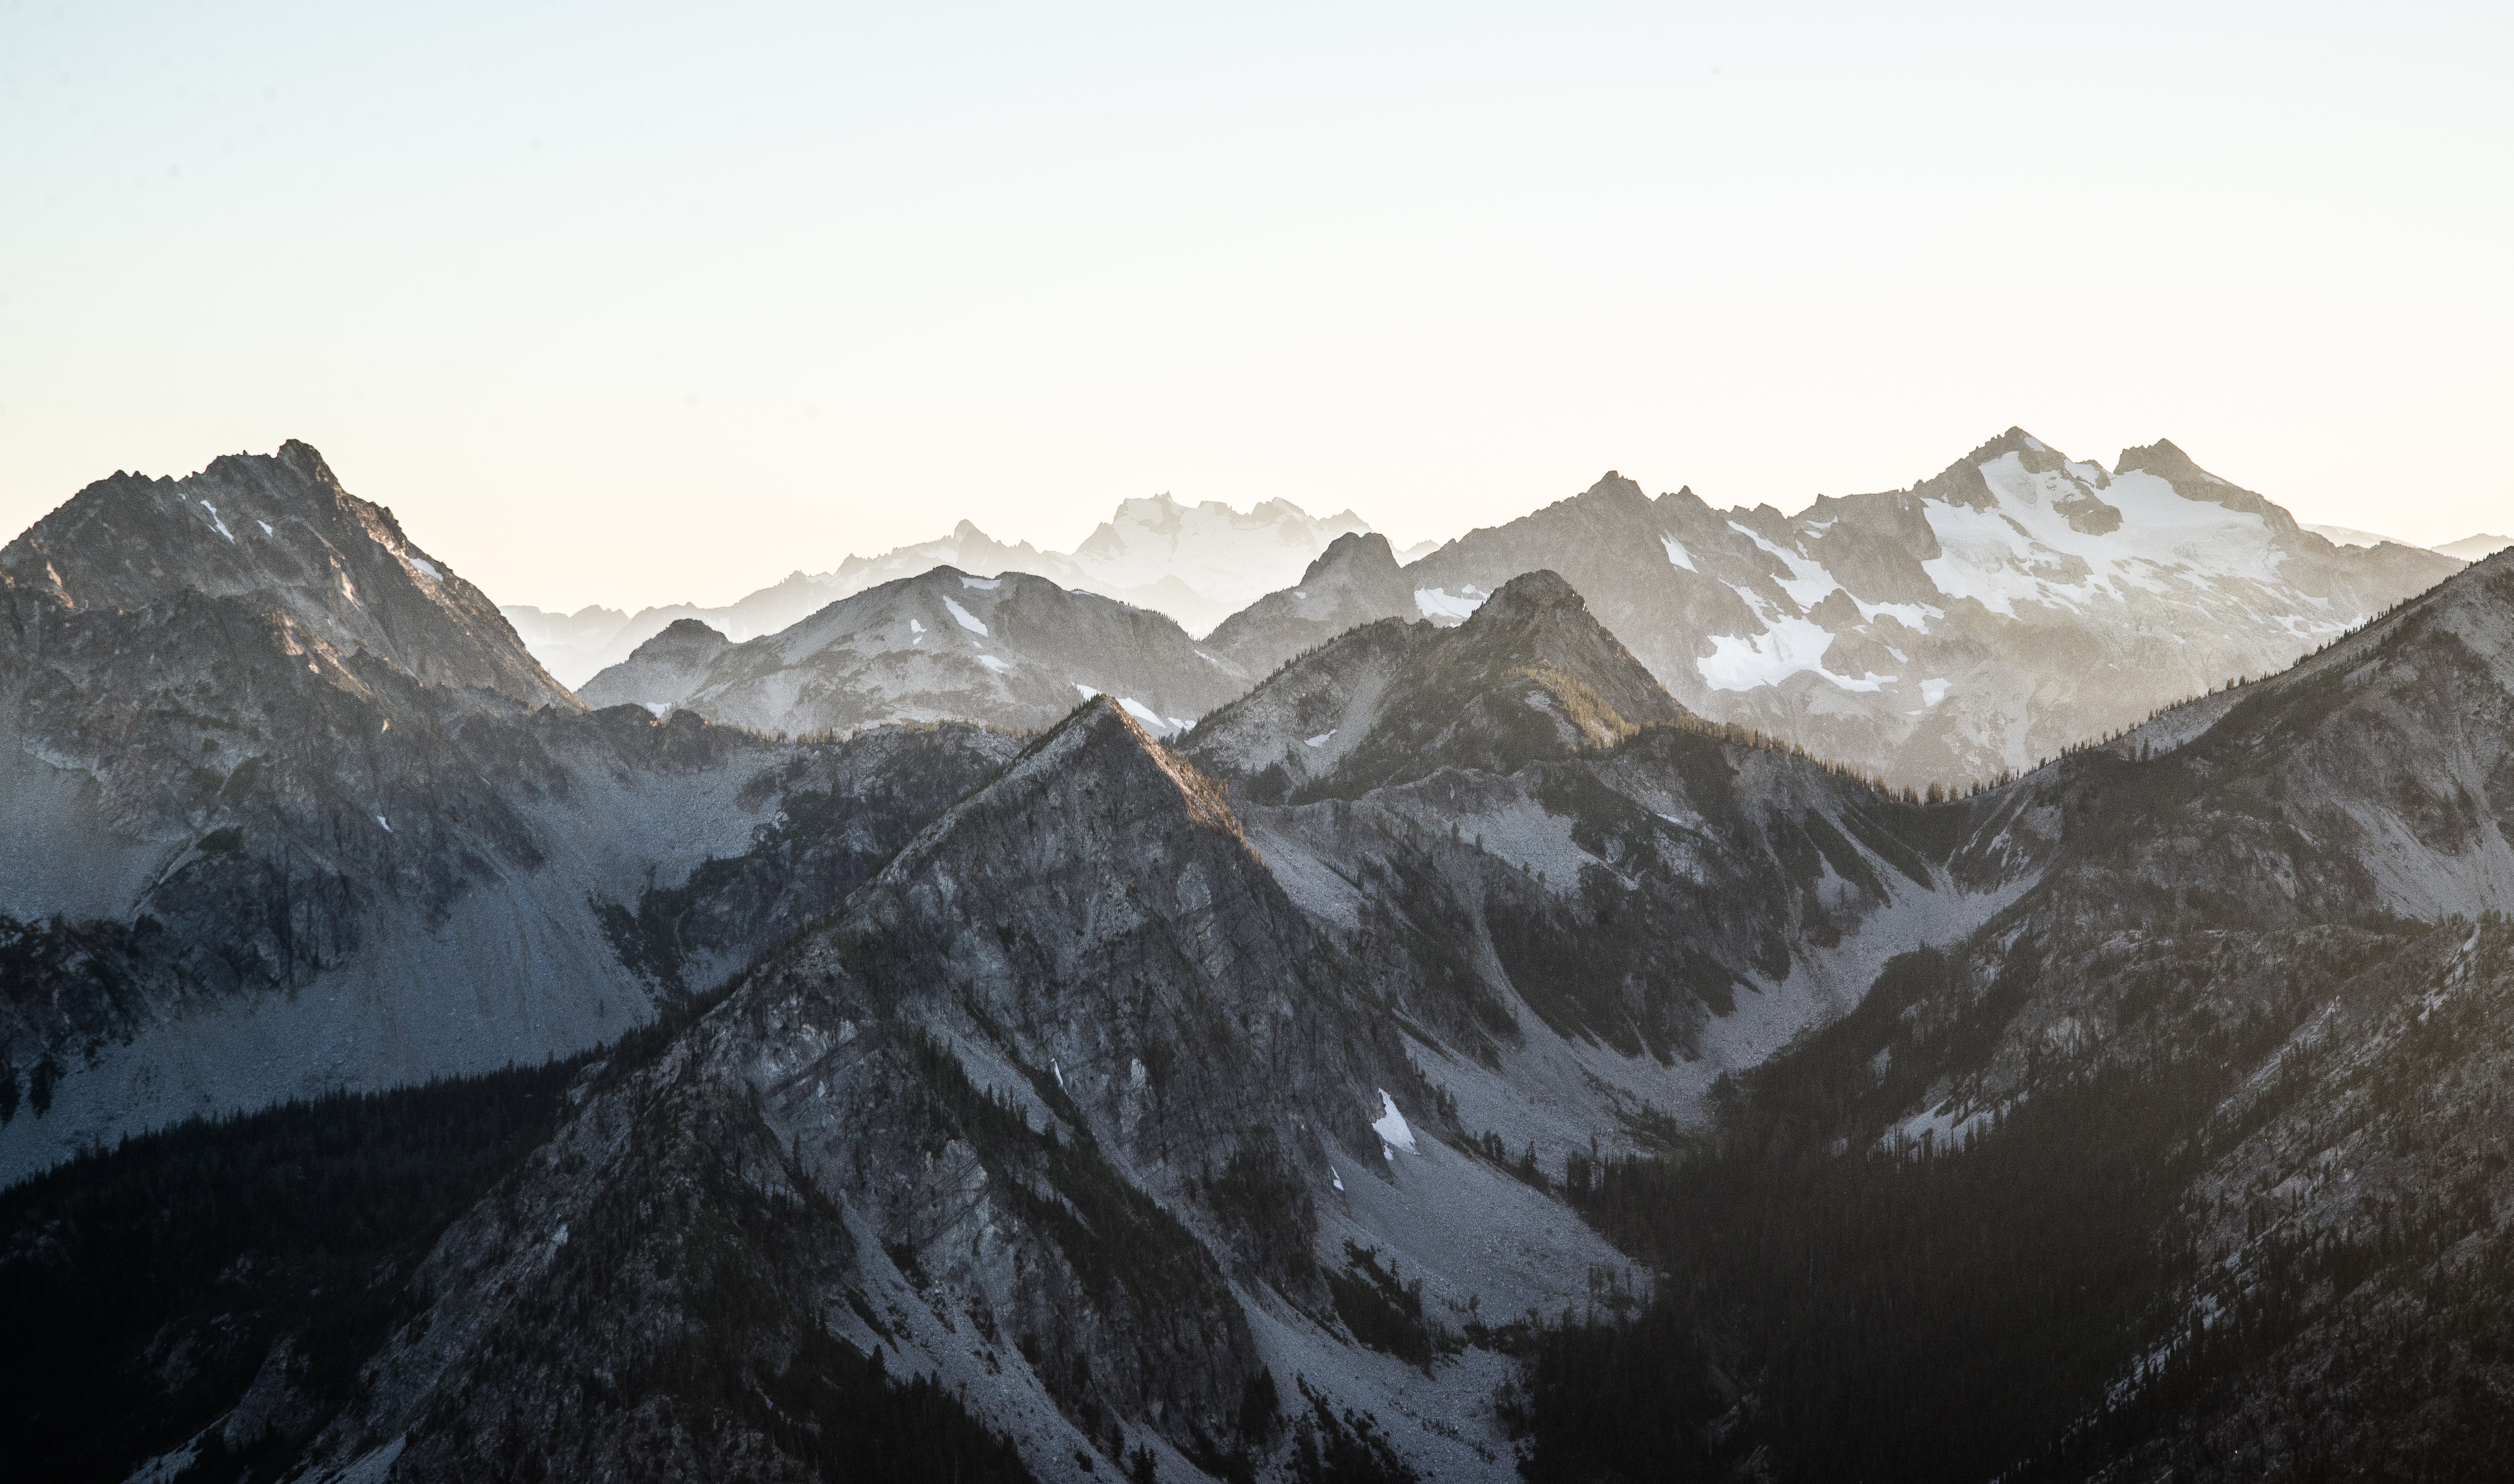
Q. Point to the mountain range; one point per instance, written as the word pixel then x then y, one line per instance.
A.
pixel 1441 1045
pixel 1197 563
pixel 1965 628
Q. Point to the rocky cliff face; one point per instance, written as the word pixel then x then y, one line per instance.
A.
pixel 1014 651
pixel 280 534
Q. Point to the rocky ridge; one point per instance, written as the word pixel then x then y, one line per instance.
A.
pixel 1013 651
pixel 1195 563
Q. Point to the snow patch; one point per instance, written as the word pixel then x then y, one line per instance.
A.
pixel 380 819
pixel 214 520
pixel 1391 1127
pixel 2022 550
pixel 1435 602
pixel 660 709
pixel 423 565
pixel 991 662
pixel 1677 555
pixel 1318 740
pixel 265 528
pixel 1786 646
pixel 983 584
pixel 1932 691
pixel 966 619
pixel 915 627
pixel 1150 719
pixel 1087 692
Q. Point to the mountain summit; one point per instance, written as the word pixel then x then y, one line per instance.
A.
pixel 1531 673
pixel 279 530
pixel 1195 563
pixel 2009 606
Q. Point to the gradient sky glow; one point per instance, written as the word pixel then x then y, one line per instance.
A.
pixel 633 305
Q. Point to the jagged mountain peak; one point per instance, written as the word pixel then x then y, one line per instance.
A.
pixel 1356 581
pixel 1354 552
pixel 1096 745
pixel 278 531
pixel 1530 674
pixel 682 632
pixel 2189 480
pixel 1015 649
pixel 1614 489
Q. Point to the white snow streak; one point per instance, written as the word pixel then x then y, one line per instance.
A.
pixel 966 619
pixel 1391 1127
pixel 1435 602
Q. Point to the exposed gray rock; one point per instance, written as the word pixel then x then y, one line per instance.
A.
pixel 662 672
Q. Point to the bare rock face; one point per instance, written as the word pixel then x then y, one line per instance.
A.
pixel 333 570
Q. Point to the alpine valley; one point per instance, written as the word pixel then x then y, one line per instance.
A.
pixel 2005 978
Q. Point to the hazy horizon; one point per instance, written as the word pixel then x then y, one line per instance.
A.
pixel 633 309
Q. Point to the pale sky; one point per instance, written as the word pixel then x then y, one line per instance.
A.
pixel 631 305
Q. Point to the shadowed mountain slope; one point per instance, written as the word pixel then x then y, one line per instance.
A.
pixel 290 809
pixel 1016 1113
pixel 2214 1096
